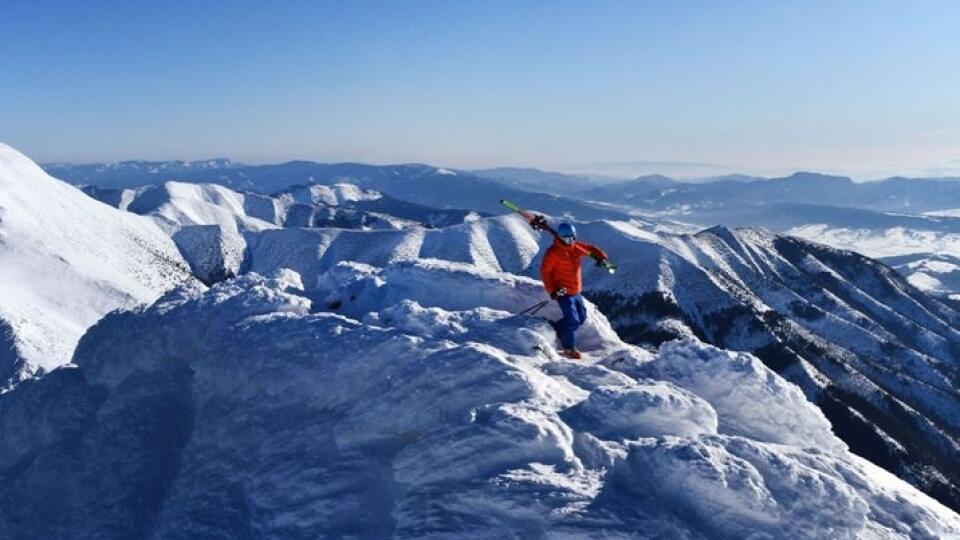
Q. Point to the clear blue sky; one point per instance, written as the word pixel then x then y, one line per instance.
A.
pixel 867 88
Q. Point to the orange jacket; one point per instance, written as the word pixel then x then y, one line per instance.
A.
pixel 561 265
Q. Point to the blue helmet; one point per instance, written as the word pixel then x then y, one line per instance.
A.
pixel 567 229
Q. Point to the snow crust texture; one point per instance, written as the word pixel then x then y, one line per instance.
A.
pixel 420 409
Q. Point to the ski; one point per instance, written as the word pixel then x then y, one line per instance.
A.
pixel 540 222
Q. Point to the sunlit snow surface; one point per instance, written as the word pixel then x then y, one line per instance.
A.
pixel 930 260
pixel 421 409
pixel 383 389
pixel 65 261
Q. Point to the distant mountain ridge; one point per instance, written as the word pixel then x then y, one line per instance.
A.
pixel 893 194
pixel 415 183
pixel 655 192
pixel 538 180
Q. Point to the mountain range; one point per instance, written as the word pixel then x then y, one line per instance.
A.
pixel 915 195
pixel 909 223
pixel 246 374
pixel 414 183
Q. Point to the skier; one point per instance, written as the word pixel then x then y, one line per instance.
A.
pixel 560 272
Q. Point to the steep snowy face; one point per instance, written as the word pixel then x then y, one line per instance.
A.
pixel 65 261
pixel 251 410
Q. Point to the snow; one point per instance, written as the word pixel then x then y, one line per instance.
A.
pixel 925 251
pixel 212 252
pixel 179 204
pixel 734 383
pixel 65 261
pixel 643 409
pixel 883 243
pixel 419 403
pixel 334 195
pixel 384 374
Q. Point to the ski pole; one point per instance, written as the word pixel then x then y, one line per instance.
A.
pixel 541 306
pixel 534 308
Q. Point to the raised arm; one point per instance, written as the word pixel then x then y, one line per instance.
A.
pixel 594 251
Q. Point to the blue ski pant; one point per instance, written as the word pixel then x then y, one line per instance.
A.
pixel 574 315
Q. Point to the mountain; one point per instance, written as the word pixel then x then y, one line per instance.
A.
pixel 413 183
pixel 923 248
pixel 174 205
pixel 880 358
pixel 380 372
pixel 926 253
pixel 639 190
pixel 729 178
pixel 134 173
pixel 529 179
pixel 177 204
pixel 890 195
pixel 208 221
pixel 420 409
pixel 346 205
pixel 936 272
pixel 887 219
pixel 853 334
pixel 66 260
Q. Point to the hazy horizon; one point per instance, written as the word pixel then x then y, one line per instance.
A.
pixel 686 89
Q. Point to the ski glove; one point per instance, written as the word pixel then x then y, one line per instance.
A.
pixel 558 293
pixel 538 223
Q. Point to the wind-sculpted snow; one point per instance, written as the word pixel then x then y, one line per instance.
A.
pixel 248 410
pixel 734 383
pixel 65 261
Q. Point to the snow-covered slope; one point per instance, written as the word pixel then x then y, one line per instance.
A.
pixel 879 356
pixel 334 195
pixel 178 204
pixel 345 205
pixel 65 261
pixel 929 259
pixel 415 184
pixel 419 409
